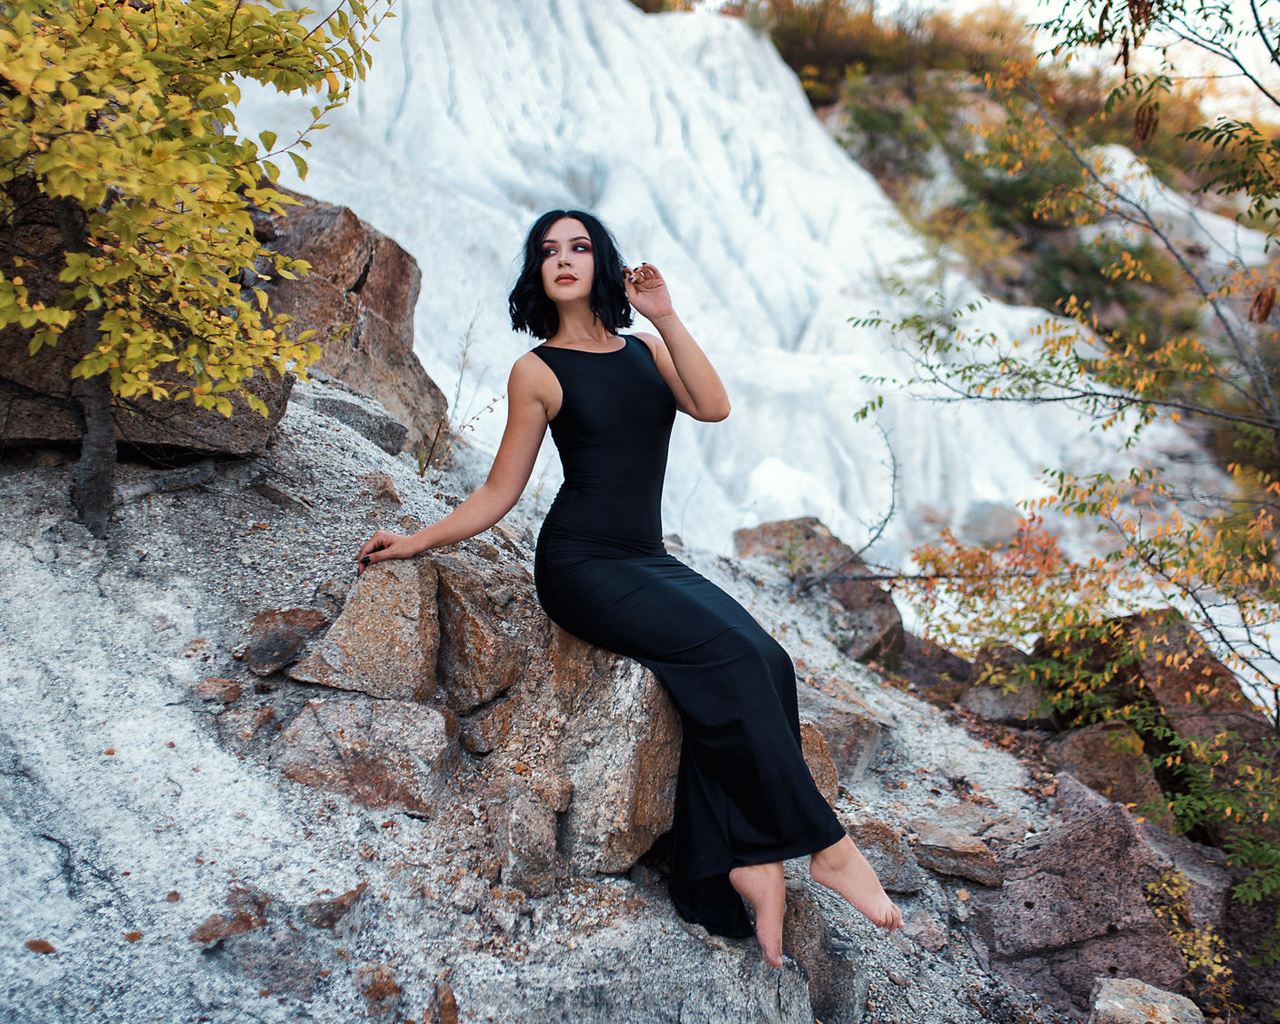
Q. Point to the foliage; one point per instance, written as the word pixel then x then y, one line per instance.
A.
pixel 121 119
pixel 1208 959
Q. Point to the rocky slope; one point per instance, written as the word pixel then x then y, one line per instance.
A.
pixel 238 787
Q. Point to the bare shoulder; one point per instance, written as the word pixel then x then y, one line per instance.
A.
pixel 529 371
pixel 655 343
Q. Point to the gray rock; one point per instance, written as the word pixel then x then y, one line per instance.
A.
pixel 365 415
pixel 949 851
pixel 889 854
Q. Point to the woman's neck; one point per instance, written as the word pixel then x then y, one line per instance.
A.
pixel 579 328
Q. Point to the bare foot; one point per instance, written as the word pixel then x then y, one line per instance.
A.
pixel 843 868
pixel 763 886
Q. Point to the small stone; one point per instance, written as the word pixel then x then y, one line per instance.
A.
pixel 1130 1001
pixel 377 983
pixel 327 913
pixel 214 688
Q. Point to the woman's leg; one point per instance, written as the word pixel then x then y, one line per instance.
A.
pixel 763 886
pixel 843 868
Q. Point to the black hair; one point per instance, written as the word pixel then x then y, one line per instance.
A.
pixel 534 313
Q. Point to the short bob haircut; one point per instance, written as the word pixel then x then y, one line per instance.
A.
pixel 534 313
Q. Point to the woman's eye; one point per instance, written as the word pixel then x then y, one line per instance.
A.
pixel 548 252
pixel 582 247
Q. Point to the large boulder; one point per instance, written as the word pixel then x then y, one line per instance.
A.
pixel 868 624
pixel 1073 909
pixel 364 282
pixel 854 732
pixel 39 400
pixel 1108 757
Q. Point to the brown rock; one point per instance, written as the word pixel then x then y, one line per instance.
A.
pixel 1199 695
pixel 327 913
pixel 1072 909
pixel 362 279
pixel 377 983
pixel 248 907
pixel 488 729
pixel 488 644
pixel 621 752
pixel 948 851
pixel 869 627
pixel 380 753
pixel 925 930
pixel 384 642
pixel 213 688
pixel 889 853
pixel 1108 758
pixel 244 725
pixel 818 759
pixel 277 635
pixel 1002 696
pixel 1130 1001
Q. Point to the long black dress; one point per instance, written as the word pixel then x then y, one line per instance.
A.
pixel 744 794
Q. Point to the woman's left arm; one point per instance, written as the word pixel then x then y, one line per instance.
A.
pixel 684 366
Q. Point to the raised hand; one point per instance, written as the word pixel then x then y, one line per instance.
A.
pixel 647 292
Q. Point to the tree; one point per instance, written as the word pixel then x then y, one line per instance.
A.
pixel 1212 555
pixel 117 128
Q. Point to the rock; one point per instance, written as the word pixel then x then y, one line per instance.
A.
pixel 365 415
pixel 528 838
pixel 486 645
pixel 249 912
pixel 363 280
pixel 889 853
pixel 1204 870
pixel 276 637
pixel 328 913
pixel 385 640
pixel 1130 1001
pixel 837 986
pixel 620 751
pixel 1072 909
pixel 377 983
pixel 1073 799
pixel 1001 695
pixel 1108 758
pixel 215 688
pixel 994 829
pixel 488 728
pixel 933 672
pixel 383 753
pixel 948 851
pixel 1198 695
pixel 854 732
pixel 818 759
pixel 871 627
pixel 244 725
pixel 925 930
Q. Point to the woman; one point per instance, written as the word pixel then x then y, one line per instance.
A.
pixel 745 800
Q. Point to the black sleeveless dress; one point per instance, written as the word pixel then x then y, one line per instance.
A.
pixel 744 794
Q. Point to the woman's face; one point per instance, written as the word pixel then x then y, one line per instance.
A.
pixel 568 264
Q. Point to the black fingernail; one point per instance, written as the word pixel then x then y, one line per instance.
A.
pixel 366 560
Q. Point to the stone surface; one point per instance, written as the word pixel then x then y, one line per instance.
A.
pixel 365 415
pixel 1072 909
pixel 1130 1001
pixel 837 984
pixel 329 913
pixel 528 838
pixel 381 753
pixel 889 853
pixel 276 637
pixel 1073 799
pixel 385 640
pixel 949 851
pixel 620 751
pixel 853 731
pixel 925 930
pixel 1108 758
pixel 248 912
pixel 492 629
pixel 377 983
pixel 361 280
pixel 818 758
pixel 870 627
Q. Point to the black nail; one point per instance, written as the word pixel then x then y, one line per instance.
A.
pixel 366 560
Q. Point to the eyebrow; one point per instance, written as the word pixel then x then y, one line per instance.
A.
pixel 575 238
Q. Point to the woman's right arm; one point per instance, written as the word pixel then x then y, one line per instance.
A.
pixel 529 397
